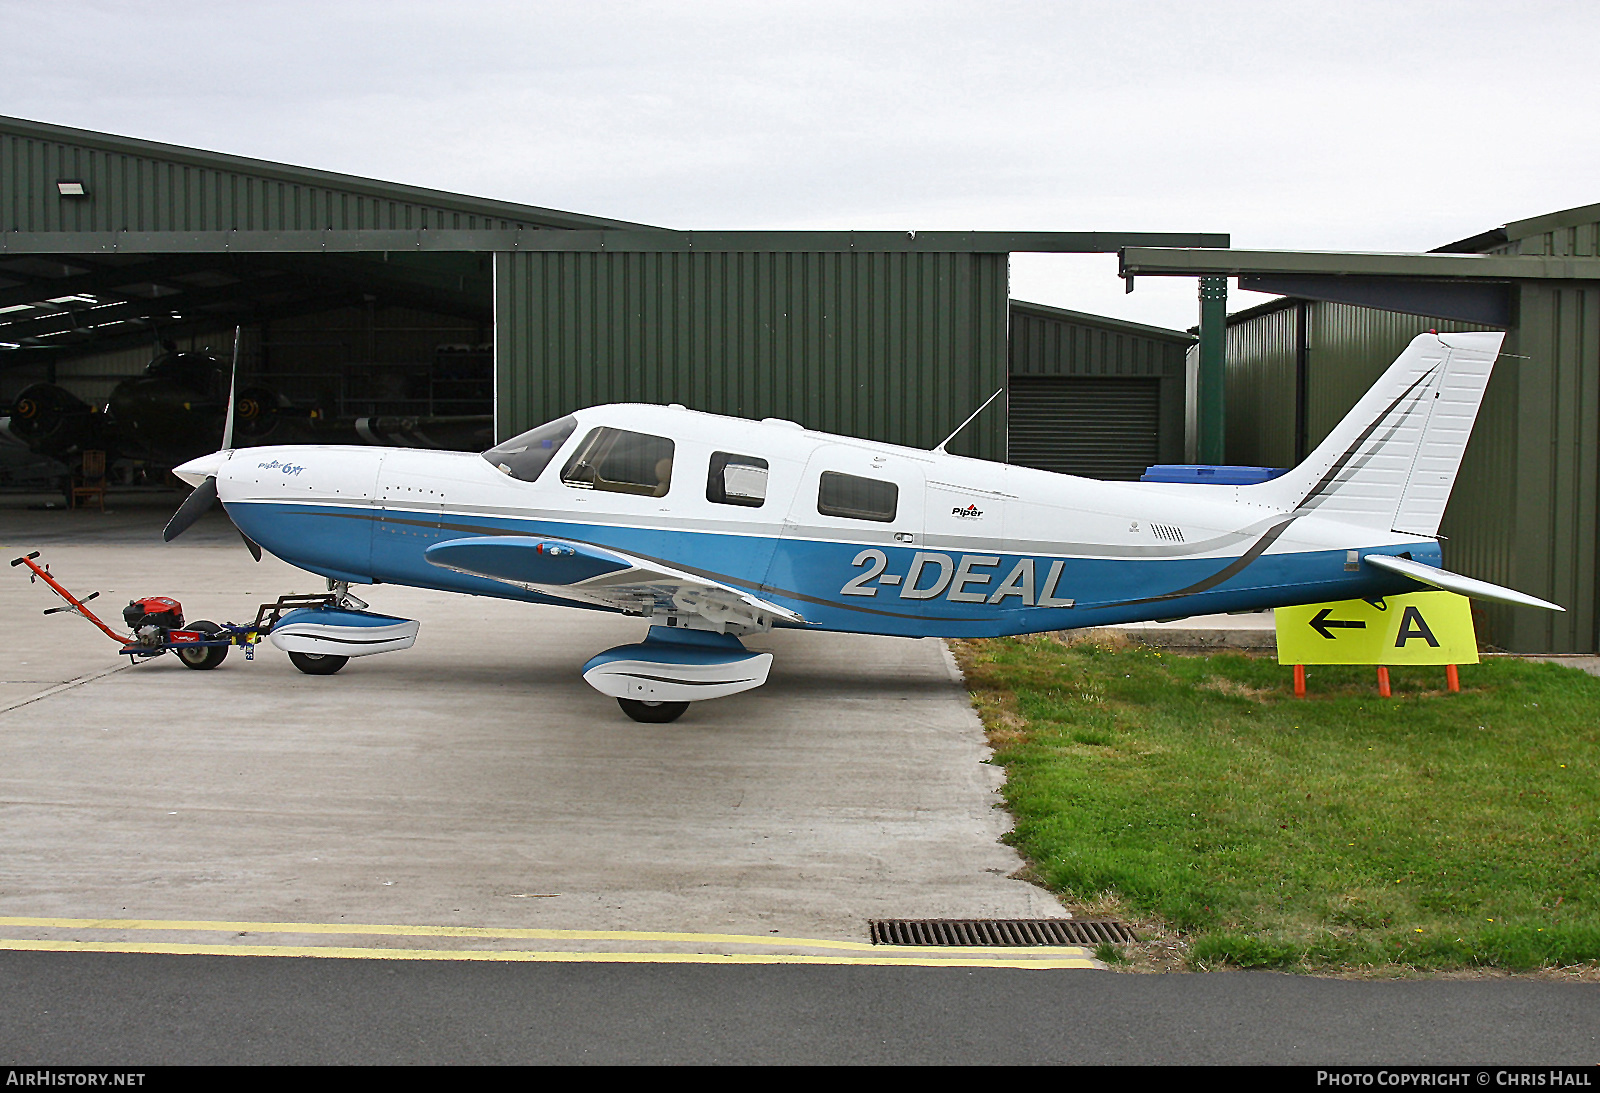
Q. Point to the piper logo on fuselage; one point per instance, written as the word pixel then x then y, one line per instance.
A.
pixel 286 468
pixel 970 580
pixel 971 512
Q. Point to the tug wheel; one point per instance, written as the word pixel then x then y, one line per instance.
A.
pixel 318 664
pixel 203 658
pixel 652 713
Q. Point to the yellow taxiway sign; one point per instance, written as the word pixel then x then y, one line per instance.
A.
pixel 1417 628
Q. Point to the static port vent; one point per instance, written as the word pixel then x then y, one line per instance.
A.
pixel 999 931
pixel 1167 532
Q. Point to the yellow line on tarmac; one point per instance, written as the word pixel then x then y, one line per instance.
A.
pixel 353 928
pixel 521 956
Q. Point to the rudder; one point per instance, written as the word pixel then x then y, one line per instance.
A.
pixel 1392 462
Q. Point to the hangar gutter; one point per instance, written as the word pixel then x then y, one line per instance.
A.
pixel 1171 262
pixel 546 240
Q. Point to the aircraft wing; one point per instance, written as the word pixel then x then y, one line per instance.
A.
pixel 1455 582
pixel 609 578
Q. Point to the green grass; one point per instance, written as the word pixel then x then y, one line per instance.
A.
pixel 1429 830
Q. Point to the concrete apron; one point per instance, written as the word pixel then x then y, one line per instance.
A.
pixel 472 797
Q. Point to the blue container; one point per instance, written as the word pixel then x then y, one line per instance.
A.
pixel 1210 476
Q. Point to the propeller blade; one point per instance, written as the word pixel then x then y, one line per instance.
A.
pixel 255 550
pixel 233 383
pixel 196 505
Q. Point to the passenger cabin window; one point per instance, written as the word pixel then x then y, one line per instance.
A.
pixel 857 498
pixel 617 461
pixel 524 456
pixel 737 480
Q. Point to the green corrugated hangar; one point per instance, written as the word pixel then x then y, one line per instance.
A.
pixel 1524 509
pixel 380 303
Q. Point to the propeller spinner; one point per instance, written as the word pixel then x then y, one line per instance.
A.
pixel 198 503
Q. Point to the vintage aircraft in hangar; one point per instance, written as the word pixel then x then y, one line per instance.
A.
pixel 714 528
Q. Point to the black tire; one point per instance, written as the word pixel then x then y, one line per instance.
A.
pixel 203 658
pixel 318 664
pixel 652 713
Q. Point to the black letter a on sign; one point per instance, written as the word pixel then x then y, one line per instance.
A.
pixel 1412 626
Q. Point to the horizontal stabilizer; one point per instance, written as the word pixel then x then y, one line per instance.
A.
pixel 1454 582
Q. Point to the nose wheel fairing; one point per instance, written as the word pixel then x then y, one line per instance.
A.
pixel 674 665
pixel 332 631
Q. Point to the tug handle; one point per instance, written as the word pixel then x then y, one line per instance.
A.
pixel 75 604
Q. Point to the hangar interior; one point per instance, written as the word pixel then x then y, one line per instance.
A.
pixel 371 312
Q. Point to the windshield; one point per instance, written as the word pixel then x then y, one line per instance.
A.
pixel 525 455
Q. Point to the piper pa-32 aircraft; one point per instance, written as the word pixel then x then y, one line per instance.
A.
pixel 713 528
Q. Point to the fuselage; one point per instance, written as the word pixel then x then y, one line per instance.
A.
pixel 957 547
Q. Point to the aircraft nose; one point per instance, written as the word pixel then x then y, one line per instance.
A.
pixel 199 469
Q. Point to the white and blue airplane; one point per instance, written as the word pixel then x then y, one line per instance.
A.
pixel 713 528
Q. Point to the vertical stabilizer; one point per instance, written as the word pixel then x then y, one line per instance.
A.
pixel 1392 462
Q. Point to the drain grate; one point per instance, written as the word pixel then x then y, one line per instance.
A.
pixel 999 931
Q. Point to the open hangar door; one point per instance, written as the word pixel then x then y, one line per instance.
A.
pixel 129 354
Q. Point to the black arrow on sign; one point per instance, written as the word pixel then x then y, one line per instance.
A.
pixel 1322 623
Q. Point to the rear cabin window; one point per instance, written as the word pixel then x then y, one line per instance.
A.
pixel 529 453
pixel 737 480
pixel 617 461
pixel 857 498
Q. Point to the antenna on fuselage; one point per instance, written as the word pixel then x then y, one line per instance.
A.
pixel 969 421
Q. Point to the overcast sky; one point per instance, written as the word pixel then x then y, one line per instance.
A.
pixel 1353 126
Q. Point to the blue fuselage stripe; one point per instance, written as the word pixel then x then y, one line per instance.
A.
pixel 982 595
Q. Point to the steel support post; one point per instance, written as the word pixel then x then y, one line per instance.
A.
pixel 1213 341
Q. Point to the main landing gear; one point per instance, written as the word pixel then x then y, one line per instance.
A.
pixel 655 680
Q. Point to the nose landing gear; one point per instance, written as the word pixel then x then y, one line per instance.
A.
pixel 317 664
pixel 652 713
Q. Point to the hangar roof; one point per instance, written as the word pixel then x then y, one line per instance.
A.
pixel 142 185
pixel 105 239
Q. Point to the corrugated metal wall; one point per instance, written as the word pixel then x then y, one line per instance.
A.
pixel 889 346
pixel 1577 240
pixel 1044 344
pixel 1260 390
pixel 1552 504
pixel 133 192
pixel 1524 510
pixel 1086 354
pixel 1548 513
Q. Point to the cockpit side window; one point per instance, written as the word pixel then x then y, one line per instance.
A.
pixel 857 498
pixel 618 461
pixel 527 454
pixel 737 480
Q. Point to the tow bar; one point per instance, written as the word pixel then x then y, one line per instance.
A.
pixel 158 625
